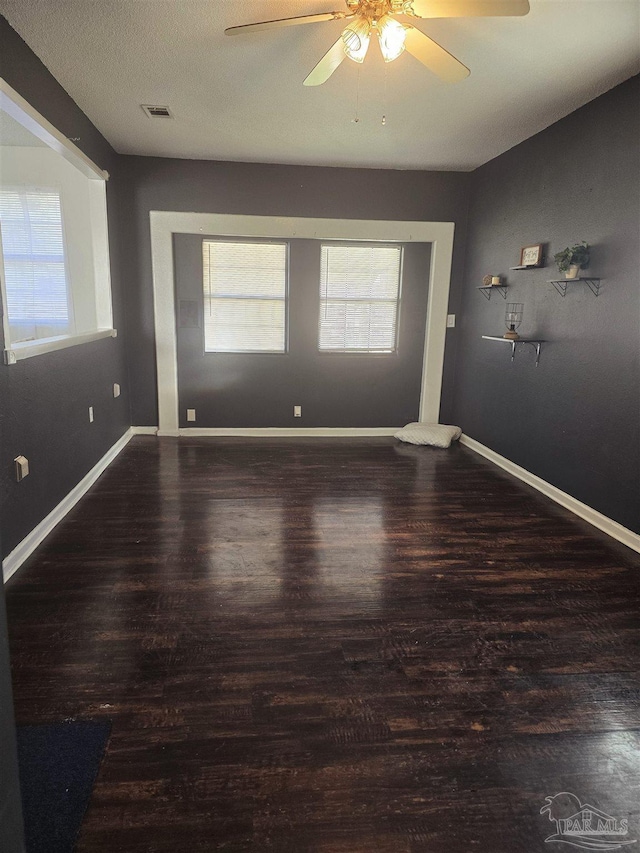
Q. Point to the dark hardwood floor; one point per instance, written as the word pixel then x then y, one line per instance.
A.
pixel 332 646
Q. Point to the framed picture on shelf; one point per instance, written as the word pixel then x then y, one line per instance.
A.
pixel 531 256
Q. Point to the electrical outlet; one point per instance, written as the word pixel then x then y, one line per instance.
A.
pixel 90 414
pixel 451 321
pixel 116 389
pixel 297 411
pixel 191 414
pixel 22 467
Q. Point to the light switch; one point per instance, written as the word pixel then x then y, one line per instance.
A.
pixel 22 467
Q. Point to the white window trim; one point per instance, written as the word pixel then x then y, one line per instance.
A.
pixel 15 105
pixel 21 110
pixel 27 349
pixel 164 224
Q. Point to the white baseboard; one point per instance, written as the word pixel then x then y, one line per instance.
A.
pixel 144 430
pixel 602 522
pixel 16 558
pixel 282 432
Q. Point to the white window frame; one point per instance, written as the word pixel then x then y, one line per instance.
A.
pixel 21 111
pixel 398 300
pixel 266 242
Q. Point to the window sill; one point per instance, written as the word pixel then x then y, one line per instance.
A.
pixel 380 353
pixel 27 349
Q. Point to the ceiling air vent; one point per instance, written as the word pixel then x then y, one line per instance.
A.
pixel 154 111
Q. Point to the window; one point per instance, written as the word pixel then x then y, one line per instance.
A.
pixel 245 296
pixel 359 297
pixel 34 263
pixel 54 256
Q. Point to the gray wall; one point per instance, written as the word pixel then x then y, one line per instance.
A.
pixel 44 400
pixel 260 390
pixel 268 190
pixel 574 420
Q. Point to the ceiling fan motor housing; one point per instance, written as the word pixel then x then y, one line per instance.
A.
pixel 375 9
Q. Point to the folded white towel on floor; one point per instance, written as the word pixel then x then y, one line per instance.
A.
pixel 437 435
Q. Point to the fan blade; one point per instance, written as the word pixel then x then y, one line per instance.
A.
pixel 286 22
pixel 327 65
pixel 469 8
pixel 436 58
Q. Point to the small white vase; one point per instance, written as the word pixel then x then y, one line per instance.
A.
pixel 573 271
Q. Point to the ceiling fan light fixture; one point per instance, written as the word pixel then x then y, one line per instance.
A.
pixel 392 36
pixel 356 39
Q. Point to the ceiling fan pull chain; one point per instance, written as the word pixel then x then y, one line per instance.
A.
pixel 384 98
pixel 357 117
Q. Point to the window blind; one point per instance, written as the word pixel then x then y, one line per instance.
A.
pixel 359 294
pixel 245 296
pixel 34 262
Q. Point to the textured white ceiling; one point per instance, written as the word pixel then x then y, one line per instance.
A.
pixel 242 98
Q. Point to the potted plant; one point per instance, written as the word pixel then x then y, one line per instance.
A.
pixel 573 259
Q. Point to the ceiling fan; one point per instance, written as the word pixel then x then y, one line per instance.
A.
pixel 380 16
